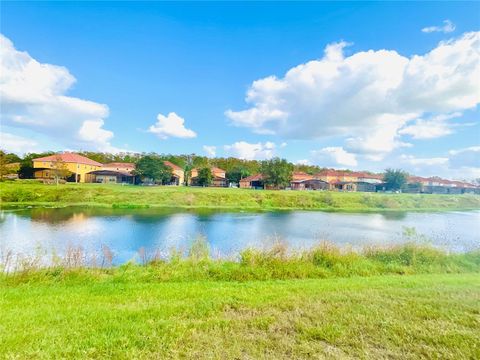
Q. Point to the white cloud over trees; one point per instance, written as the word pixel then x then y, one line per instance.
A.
pixel 34 97
pixel 171 125
pixel 370 99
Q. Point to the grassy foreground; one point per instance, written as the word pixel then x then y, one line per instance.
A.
pixel 397 317
pixel 31 193
pixel 322 303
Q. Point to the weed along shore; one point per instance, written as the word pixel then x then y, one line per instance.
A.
pixel 325 302
pixel 22 194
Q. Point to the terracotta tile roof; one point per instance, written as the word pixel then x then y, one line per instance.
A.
pixel 119 164
pixel 255 177
pixel 300 176
pixel 69 158
pixel 172 165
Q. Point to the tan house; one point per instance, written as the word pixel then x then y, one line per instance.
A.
pixel 178 175
pixel 77 165
pixel 219 177
pixel 119 166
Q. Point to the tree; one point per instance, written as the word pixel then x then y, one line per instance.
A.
pixel 205 176
pixel 277 172
pixel 59 169
pixel 237 174
pixel 395 179
pixel 5 169
pixel 152 167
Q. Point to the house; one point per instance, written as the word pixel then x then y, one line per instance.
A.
pixel 437 185
pixel 252 182
pixel 119 166
pixel 333 176
pixel 178 175
pixel 78 167
pixel 219 177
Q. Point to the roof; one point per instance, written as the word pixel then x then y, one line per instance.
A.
pixel 172 165
pixel 119 164
pixel 300 176
pixel 255 177
pixel 69 158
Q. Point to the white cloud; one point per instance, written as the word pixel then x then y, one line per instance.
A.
pixel 171 125
pixel 434 127
pixel 248 151
pixel 447 27
pixel 365 98
pixel 435 161
pixel 467 157
pixel 33 96
pixel 210 150
pixel 303 162
pixel 458 164
pixel 334 156
pixel 17 144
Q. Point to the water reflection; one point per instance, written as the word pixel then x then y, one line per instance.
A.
pixel 126 231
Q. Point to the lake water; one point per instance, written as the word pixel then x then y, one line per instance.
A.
pixel 126 231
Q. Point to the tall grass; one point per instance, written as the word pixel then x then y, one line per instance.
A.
pixel 324 260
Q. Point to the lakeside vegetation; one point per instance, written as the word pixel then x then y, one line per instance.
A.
pixel 325 302
pixel 32 193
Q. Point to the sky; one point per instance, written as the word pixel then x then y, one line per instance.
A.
pixel 355 85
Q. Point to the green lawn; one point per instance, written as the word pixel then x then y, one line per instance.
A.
pixel 31 193
pixel 398 317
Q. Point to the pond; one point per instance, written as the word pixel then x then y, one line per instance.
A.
pixel 124 232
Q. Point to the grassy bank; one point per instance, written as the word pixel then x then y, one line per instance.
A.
pixel 398 317
pixel 35 194
pixel 322 303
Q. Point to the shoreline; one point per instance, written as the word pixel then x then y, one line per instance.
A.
pixel 22 195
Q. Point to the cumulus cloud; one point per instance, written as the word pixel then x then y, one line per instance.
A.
pixel 171 125
pixel 210 150
pixel 248 151
pixel 433 127
pixel 17 144
pixel 367 97
pixel 467 157
pixel 415 161
pixel 33 96
pixel 334 156
pixel 447 27
pixel 457 164
pixel 302 162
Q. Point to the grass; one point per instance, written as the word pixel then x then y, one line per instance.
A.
pixel 397 317
pixel 20 194
pixel 326 302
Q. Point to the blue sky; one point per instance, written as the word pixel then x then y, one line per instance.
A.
pixel 199 60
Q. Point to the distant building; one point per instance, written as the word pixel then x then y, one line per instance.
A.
pixel 252 182
pixel 219 177
pixel 437 185
pixel 178 175
pixel 77 165
pixel 114 173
